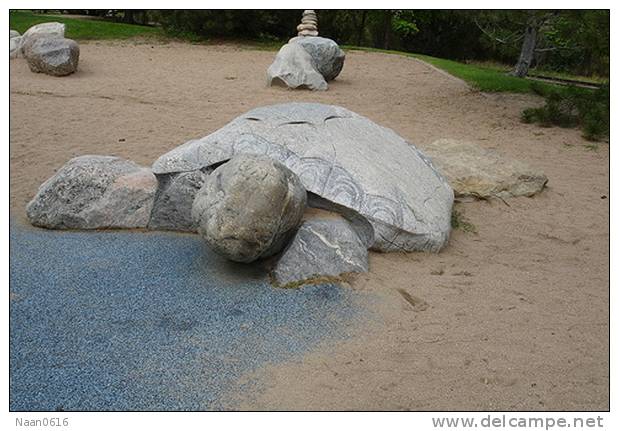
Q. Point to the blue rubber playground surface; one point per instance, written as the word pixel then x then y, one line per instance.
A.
pixel 151 321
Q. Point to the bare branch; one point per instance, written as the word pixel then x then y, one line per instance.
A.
pixel 496 38
pixel 556 48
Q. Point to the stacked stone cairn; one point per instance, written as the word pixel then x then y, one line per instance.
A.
pixel 46 49
pixel 307 61
pixel 309 24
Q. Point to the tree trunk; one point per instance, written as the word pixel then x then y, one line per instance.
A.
pixel 361 30
pixel 128 16
pixel 388 18
pixel 528 49
pixel 142 17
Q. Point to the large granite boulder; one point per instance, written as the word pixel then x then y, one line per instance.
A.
pixel 477 172
pixel 249 207
pixel 323 249
pixel 327 56
pixel 174 199
pixel 13 33
pixel 91 192
pixel 294 68
pixel 345 159
pixel 47 30
pixel 52 56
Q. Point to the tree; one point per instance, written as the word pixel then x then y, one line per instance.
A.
pixel 405 24
pixel 583 41
pixel 361 27
pixel 527 51
pixel 440 33
pixel 562 38
pixel 575 41
pixel 510 27
pixel 536 22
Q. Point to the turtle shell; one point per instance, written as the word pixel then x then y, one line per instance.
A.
pixel 344 159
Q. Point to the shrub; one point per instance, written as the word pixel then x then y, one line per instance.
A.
pixel 573 107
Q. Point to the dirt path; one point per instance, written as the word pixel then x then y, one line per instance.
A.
pixel 512 317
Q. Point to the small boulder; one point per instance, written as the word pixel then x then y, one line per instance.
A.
pixel 92 192
pixel 249 207
pixel 174 199
pixel 322 249
pixel 293 67
pixel 14 47
pixel 473 171
pixel 327 55
pixel 52 56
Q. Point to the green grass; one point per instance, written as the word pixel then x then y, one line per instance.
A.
pixel 562 75
pixel 489 79
pixel 84 29
pixel 504 68
pixel 483 79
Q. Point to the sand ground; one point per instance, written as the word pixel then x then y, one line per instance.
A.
pixel 514 316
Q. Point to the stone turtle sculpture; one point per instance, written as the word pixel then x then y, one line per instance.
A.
pixel 343 158
pixel 245 187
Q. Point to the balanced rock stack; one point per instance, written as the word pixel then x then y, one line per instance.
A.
pixel 309 24
pixel 307 61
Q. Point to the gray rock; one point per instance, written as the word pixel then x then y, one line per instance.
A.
pixel 52 56
pixel 477 172
pixel 249 208
pixel 323 248
pixel 343 158
pixel 327 55
pixel 294 68
pixel 15 47
pixel 48 30
pixel 13 33
pixel 174 199
pixel 363 228
pixel 91 192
